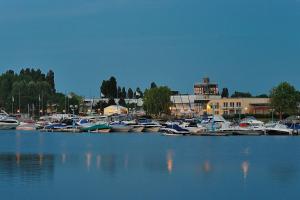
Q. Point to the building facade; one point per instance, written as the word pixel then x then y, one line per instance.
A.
pixel 233 106
pixel 206 100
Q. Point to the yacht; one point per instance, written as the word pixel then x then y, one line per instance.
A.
pixel 7 122
pixel 279 129
pixel 120 127
pixel 174 130
pixel 149 125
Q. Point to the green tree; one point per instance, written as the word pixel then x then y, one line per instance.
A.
pixel 284 99
pixel 153 85
pixel 157 101
pixel 241 95
pixel 122 102
pixel 51 81
pixel 225 93
pixel 123 93
pixel 138 93
pixel 130 93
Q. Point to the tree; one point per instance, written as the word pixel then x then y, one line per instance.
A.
pixel 157 101
pixel 119 92
pixel 153 85
pixel 225 93
pixel 130 93
pixel 123 93
pixel 109 88
pixel 111 102
pixel 138 93
pixel 284 99
pixel 241 95
pixel 50 80
pixel 122 102
pixel 262 96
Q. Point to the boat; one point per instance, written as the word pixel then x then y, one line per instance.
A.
pixel 135 127
pixel 150 126
pixel 251 121
pixel 174 129
pixel 279 129
pixel 7 122
pixel 193 128
pixel 96 128
pixel 120 127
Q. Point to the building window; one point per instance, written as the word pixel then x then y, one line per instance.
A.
pixel 238 104
pixel 225 104
pixel 232 104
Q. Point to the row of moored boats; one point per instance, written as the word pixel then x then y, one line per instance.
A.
pixel 204 126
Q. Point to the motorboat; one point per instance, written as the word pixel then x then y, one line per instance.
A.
pixel 88 125
pixel 150 126
pixel 279 129
pixel 27 125
pixel 136 128
pixel 193 128
pixel 7 122
pixel 251 121
pixel 174 129
pixel 120 127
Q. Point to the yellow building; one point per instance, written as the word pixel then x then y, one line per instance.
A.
pixel 231 106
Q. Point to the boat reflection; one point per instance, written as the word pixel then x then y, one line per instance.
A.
pixel 245 168
pixel 26 167
pixel 170 161
pixel 207 167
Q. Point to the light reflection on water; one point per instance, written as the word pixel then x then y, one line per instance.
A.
pixel 199 165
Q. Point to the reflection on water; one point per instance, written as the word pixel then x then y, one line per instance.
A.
pixel 207 167
pixel 170 161
pixel 245 168
pixel 26 167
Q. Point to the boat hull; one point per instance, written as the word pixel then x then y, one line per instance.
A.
pixel 121 129
pixel 137 129
pixel 153 129
pixel 4 126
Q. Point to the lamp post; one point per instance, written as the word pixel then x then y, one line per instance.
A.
pixel 272 110
pixel 73 108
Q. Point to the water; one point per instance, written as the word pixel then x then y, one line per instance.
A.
pixel 46 166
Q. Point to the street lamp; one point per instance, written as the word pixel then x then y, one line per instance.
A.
pixel 73 108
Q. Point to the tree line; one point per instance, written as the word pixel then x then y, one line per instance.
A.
pixel 32 91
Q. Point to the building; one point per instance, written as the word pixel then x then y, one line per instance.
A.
pixel 207 100
pixel 206 88
pixel 232 106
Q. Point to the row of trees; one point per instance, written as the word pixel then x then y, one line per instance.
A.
pixel 237 94
pixel 110 89
pixel 33 89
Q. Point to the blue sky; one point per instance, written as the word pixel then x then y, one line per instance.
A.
pixel 246 45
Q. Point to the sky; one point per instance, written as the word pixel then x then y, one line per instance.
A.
pixel 245 45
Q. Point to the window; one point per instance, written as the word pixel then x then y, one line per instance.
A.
pixel 238 104
pixel 225 104
pixel 232 104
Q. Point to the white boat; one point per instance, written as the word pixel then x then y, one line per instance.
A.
pixel 174 129
pixel 137 128
pixel 7 122
pixel 279 129
pixel 150 126
pixel 120 127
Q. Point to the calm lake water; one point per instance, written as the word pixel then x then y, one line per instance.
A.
pixel 46 166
